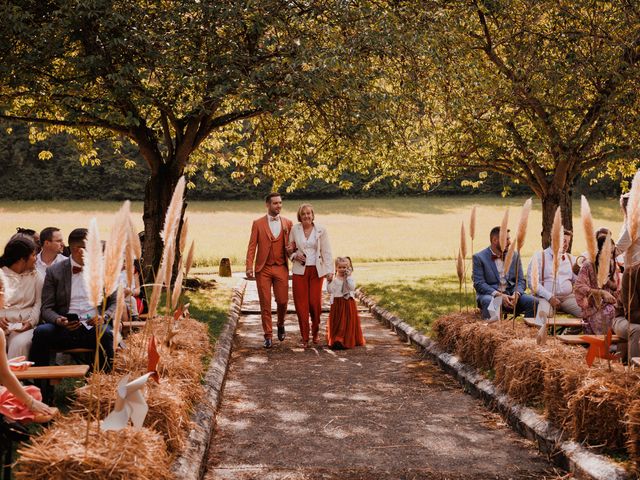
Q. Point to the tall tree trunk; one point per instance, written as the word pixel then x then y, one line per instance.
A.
pixel 556 196
pixel 157 197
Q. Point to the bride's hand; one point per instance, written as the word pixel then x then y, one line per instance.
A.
pixel 329 277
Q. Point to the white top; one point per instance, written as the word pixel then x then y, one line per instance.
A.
pixel 335 289
pixel 79 303
pixel 41 267
pixel 565 279
pixel 275 225
pixel 22 296
pixel 631 250
pixel 310 248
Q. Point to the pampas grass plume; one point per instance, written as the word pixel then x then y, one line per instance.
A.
pixel 509 259
pixel 117 317
pixel 633 207
pixel 183 235
pixel 460 267
pixel 155 292
pixel 189 261
pixel 134 240
pixel 472 223
pixel 93 264
pixel 524 222
pixel 604 262
pixel 463 242
pixel 114 252
pixel 589 231
pixel 174 211
pixel 557 234
pixel 504 230
pixel 177 288
pixel 168 258
pixel 535 275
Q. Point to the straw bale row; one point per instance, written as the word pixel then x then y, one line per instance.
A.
pixel 596 406
pixel 60 451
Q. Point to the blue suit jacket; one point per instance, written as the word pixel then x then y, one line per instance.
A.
pixel 486 279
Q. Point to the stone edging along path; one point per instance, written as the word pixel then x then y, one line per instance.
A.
pixel 191 464
pixel 569 455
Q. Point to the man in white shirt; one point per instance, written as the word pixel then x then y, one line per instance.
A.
pixel 624 245
pixel 69 317
pixel 52 247
pixel 556 294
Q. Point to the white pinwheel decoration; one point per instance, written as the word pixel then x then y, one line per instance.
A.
pixel 130 404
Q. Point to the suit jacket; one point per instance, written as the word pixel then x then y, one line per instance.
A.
pixel 56 293
pixel 486 278
pixel 260 240
pixel 324 264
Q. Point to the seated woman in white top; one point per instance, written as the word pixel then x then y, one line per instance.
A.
pixel 310 252
pixel 22 295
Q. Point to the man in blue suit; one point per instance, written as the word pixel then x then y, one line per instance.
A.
pixel 488 275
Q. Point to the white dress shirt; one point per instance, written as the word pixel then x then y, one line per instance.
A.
pixel 310 248
pixel 565 279
pixel 275 225
pixel 631 250
pixel 79 302
pixel 41 267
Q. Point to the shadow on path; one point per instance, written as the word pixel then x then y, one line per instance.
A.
pixel 375 412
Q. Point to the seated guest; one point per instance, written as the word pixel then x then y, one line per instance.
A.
pixel 18 402
pixel 69 317
pixel 51 252
pixel 490 280
pixel 626 324
pixel 597 304
pixel 624 245
pixel 35 236
pixel 23 288
pixel 561 297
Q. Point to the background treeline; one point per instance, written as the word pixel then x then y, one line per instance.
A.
pixel 25 176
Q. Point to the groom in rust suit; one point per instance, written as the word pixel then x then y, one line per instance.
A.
pixel 269 236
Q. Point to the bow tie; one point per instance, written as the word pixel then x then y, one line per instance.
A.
pixel 75 269
pixel 496 257
pixel 274 219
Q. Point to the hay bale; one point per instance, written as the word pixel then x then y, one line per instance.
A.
pixel 633 434
pixel 60 454
pixel 519 366
pixel 168 407
pixel 447 328
pixel 598 408
pixel 467 333
pixel 565 370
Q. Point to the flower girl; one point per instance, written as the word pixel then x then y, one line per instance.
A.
pixel 343 327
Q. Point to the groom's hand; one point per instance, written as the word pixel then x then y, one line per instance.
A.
pixel 250 274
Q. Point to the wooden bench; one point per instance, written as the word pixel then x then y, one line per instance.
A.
pixel 53 373
pixel 578 340
pixel 133 325
pixel 560 322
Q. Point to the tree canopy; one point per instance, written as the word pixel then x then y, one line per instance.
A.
pixel 542 92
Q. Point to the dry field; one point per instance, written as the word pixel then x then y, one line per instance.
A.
pixel 369 230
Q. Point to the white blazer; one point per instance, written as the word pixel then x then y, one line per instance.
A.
pixel 324 262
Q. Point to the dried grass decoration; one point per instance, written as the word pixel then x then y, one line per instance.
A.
pixel 597 410
pixel 447 329
pixel 60 454
pixel 589 230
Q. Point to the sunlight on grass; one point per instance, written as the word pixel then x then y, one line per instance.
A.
pixel 420 301
pixel 368 230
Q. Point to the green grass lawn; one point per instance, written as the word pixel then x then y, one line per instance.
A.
pixel 368 230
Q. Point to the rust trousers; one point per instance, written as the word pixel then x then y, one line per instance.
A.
pixel 307 298
pixel 276 276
